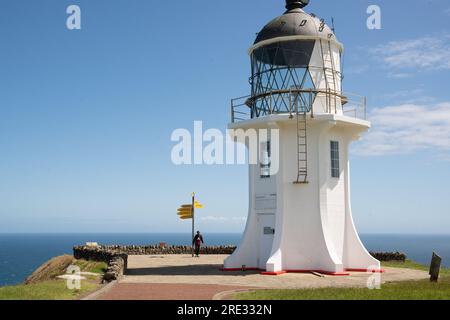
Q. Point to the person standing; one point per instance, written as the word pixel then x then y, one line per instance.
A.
pixel 197 243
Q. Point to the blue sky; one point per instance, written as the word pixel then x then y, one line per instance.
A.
pixel 86 116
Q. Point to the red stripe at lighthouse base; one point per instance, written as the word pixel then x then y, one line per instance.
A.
pixel 366 270
pixel 328 273
pixel 346 272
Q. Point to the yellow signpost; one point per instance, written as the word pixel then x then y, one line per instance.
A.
pixel 198 205
pixel 186 212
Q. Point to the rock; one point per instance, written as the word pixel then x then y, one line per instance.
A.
pixel 92 244
pixel 110 276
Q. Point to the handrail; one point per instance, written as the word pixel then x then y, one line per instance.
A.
pixel 246 107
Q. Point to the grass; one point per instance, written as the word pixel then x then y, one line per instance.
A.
pixel 47 290
pixel 414 265
pixel 405 290
pixel 91 266
pixel 43 285
pixel 57 266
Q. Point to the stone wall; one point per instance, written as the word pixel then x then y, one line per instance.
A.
pixel 159 250
pixel 116 268
pixel 162 250
pixel 117 261
pixel 389 256
pixel 117 256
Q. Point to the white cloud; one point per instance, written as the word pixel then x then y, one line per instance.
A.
pixel 412 96
pixel 400 75
pixel 426 53
pixel 401 94
pixel 357 69
pixel 223 219
pixel 407 128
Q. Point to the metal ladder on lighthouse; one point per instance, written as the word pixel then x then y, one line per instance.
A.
pixel 302 140
pixel 301 111
pixel 330 77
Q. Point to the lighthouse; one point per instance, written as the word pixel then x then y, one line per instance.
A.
pixel 300 217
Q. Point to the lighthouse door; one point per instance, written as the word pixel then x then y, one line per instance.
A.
pixel 266 226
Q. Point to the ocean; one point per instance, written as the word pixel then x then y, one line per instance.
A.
pixel 21 254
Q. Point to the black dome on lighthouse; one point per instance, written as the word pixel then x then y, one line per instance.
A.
pixel 295 22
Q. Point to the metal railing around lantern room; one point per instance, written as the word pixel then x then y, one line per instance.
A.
pixel 281 102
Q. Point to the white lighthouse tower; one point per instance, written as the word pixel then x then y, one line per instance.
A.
pixel 300 218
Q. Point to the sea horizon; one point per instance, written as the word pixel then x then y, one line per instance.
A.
pixel 214 232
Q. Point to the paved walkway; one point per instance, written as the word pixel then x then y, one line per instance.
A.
pixel 183 277
pixel 157 291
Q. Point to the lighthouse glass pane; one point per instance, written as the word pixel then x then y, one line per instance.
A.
pixel 335 159
pixel 264 159
pixel 277 70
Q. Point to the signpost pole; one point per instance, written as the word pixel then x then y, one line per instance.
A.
pixel 193 220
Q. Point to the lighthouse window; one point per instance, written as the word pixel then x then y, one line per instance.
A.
pixel 335 159
pixel 264 159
